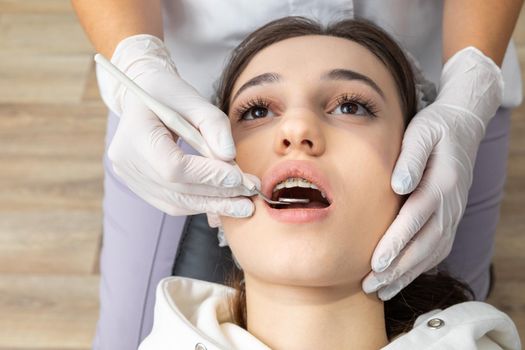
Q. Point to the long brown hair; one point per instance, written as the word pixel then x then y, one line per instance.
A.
pixel 360 31
pixel 428 291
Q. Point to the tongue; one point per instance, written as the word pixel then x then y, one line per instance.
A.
pixel 313 204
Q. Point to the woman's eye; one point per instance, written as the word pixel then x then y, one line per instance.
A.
pixel 256 113
pixel 351 108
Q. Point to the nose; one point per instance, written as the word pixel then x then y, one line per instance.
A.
pixel 300 131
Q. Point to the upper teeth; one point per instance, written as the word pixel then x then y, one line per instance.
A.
pixel 296 182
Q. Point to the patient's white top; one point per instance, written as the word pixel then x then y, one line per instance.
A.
pixel 189 312
pixel 201 33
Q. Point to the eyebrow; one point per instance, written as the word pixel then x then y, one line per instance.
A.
pixel 261 79
pixel 334 74
pixel 346 74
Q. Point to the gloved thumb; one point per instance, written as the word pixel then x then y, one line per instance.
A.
pixel 212 123
pixel 418 143
pixel 216 130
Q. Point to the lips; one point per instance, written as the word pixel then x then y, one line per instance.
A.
pixel 296 168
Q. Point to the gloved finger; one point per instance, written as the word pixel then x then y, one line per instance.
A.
pixel 215 128
pixel 206 190
pixel 213 123
pixel 195 188
pixel 418 142
pixel 202 189
pixel 151 196
pixel 209 191
pixel 158 147
pixel 235 207
pixel 175 204
pixel 389 291
pixel 414 213
pixel 416 251
pixel 214 220
pixel 240 190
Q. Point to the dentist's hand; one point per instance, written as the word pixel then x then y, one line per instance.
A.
pixel 144 152
pixel 436 164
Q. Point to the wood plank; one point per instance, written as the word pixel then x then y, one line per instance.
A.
pixel 50 33
pixel 49 241
pixel 519 31
pixel 51 187
pixel 509 297
pixel 47 312
pixel 35 6
pixel 42 78
pixel 91 91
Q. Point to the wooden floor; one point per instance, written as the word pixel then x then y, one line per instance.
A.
pixel 51 142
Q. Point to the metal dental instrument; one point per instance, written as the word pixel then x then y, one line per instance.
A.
pixel 183 128
pixel 293 200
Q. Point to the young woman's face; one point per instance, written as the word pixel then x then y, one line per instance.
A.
pixel 329 104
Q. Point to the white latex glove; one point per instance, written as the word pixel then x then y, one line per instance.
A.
pixel 437 160
pixel 144 152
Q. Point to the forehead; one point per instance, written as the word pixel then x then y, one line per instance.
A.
pixel 308 57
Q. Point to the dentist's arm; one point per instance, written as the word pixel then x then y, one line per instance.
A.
pixel 441 142
pixel 486 25
pixel 107 22
pixel 144 152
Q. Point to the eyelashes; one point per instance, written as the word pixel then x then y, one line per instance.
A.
pixel 368 107
pixel 259 102
pixel 355 98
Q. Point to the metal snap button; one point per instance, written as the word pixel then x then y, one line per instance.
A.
pixel 435 323
pixel 200 346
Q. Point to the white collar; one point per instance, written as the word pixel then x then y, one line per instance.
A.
pixel 190 311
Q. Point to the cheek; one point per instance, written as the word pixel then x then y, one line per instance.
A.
pixel 254 156
pixel 254 149
pixel 359 163
pixel 370 203
pixel 367 155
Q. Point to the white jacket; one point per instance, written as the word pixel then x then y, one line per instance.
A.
pixel 190 312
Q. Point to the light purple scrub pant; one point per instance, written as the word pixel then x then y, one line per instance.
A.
pixel 140 242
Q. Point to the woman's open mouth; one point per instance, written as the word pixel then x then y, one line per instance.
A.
pixel 298 188
pixel 299 180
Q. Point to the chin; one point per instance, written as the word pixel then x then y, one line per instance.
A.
pixel 301 254
pixel 307 279
pixel 305 269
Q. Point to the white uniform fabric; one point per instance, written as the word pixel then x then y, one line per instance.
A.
pixel 200 34
pixel 190 312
